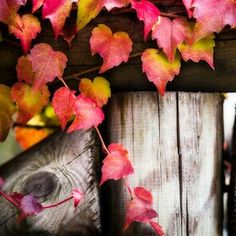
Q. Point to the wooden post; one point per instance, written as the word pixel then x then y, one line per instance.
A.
pixel 49 171
pixel 175 145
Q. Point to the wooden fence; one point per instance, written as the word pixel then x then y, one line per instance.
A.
pixel 175 145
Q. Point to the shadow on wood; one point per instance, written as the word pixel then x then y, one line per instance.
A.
pixel 49 171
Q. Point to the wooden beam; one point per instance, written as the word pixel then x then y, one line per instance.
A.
pixel 175 145
pixel 129 77
pixel 50 171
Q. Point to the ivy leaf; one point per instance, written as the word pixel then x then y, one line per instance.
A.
pixel 113 48
pixel 29 30
pixel 37 4
pixel 98 90
pixel 169 34
pixel 189 7
pixel 139 209
pixel 87 114
pixel 69 32
pixel 158 229
pixel 57 12
pixel 158 69
pixel 24 70
pixel 63 103
pixel 7 109
pixel 146 12
pixel 110 4
pixel 116 165
pixel 88 10
pixel 212 16
pixel 200 50
pixel 8 11
pixel 77 196
pixel 47 64
pixel 29 206
pixel 29 102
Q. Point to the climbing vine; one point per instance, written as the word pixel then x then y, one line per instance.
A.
pixel 185 35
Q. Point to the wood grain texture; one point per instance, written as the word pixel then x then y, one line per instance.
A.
pixel 175 145
pixel 50 171
pixel 193 77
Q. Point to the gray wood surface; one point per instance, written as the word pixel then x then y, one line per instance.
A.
pixel 193 76
pixel 175 144
pixel 50 171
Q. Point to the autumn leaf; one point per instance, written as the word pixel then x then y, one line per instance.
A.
pixel 88 10
pixel 158 229
pixel 27 137
pixel 24 70
pixel 200 50
pixel 212 16
pixel 87 114
pixel 169 34
pixel 110 4
pixel 29 206
pixel 98 90
pixel 57 12
pixel 77 196
pixel 37 4
pixel 116 165
pixel 47 64
pixel 69 31
pixel 158 69
pixel 63 103
pixel 146 12
pixel 29 30
pixel 113 48
pixel 7 109
pixel 29 102
pixel 139 209
pixel 8 11
pixel 189 7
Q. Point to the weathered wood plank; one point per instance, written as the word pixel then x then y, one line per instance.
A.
pixel 200 142
pixel 175 144
pixel 193 77
pixel 50 171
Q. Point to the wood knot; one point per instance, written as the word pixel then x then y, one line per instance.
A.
pixel 40 184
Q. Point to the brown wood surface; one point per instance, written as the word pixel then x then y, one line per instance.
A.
pixel 50 171
pixel 129 77
pixel 175 145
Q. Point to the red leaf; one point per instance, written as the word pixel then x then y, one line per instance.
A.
pixel 87 114
pixel 77 196
pixel 29 30
pixel 158 229
pixel 47 64
pixel 114 49
pixel 69 31
pixel 29 206
pixel 116 165
pixel 16 197
pixel 169 34
pixel 109 4
pixel 29 102
pixel 146 12
pixel 24 70
pixel 57 12
pixel 8 11
pixel 143 194
pixel 158 68
pixel 63 103
pixel 189 7
pixel 212 16
pixel 37 4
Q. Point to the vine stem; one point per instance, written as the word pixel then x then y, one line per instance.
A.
pixel 8 199
pixel 64 83
pixel 129 188
pixel 58 204
pixel 102 141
